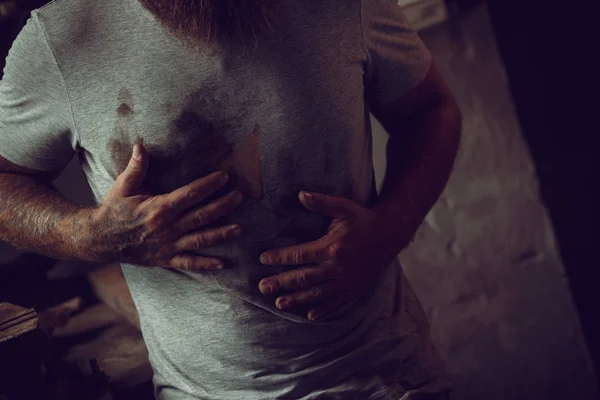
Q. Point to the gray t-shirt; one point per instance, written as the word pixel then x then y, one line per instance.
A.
pixel 289 113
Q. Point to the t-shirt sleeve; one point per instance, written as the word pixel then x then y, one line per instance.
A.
pixel 397 59
pixel 36 124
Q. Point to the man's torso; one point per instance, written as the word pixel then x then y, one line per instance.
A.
pixel 287 114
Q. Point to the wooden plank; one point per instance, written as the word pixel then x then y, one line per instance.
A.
pixel 117 347
pixel 16 321
pixel 23 346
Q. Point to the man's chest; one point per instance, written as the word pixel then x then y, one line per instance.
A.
pixel 281 120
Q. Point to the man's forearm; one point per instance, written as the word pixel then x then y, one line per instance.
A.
pixel 34 217
pixel 419 162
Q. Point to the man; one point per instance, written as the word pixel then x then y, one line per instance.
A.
pixel 228 146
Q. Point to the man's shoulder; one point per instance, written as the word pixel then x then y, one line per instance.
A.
pixel 81 32
pixel 68 11
pixel 69 22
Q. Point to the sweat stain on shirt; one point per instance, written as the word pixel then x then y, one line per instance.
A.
pixel 193 147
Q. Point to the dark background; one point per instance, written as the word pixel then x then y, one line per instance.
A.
pixel 550 52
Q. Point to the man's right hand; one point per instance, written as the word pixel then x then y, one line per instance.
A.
pixel 166 230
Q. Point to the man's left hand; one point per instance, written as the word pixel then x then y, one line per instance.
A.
pixel 344 262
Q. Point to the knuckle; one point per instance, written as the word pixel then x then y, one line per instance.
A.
pixel 333 250
pixel 157 215
pixel 322 254
pixel 200 242
pixel 316 292
pixel 298 257
pixel 201 218
pixel 225 233
pixel 143 237
pixel 192 194
pixel 187 264
pixel 302 279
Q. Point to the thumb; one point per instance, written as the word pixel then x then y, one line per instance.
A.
pixel 337 207
pixel 130 181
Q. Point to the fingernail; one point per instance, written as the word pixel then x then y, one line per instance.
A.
pixel 137 154
pixel 308 196
pixel 314 316
pixel 219 267
pixel 265 287
pixel 283 302
pixel 265 259
pixel 235 231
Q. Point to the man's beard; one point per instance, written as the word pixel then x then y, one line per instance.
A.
pixel 214 22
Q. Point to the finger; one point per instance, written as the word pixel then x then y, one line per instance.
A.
pixel 329 307
pixel 190 195
pixel 202 216
pixel 305 253
pixel 189 262
pixel 130 180
pixel 337 207
pixel 297 279
pixel 208 238
pixel 311 295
